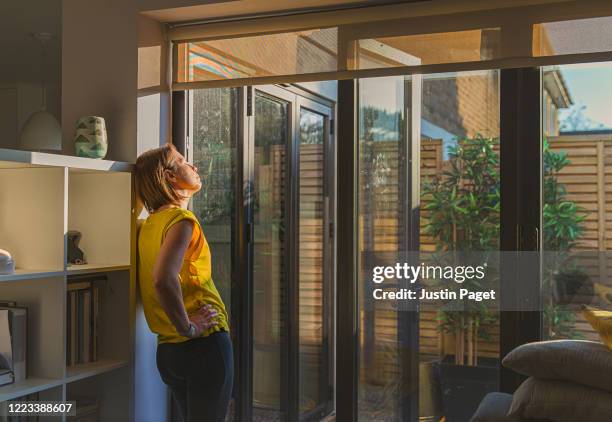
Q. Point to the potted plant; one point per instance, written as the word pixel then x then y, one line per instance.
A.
pixel 463 217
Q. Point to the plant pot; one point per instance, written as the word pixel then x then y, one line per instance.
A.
pixel 463 387
pixel 571 284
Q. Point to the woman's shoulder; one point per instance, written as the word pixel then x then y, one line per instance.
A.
pixel 176 215
pixel 163 220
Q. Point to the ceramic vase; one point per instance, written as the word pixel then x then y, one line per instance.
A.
pixel 90 139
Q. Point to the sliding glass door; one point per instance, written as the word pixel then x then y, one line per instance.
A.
pixel 276 145
pixel 429 195
pixel 271 250
pixel 576 174
pixel 315 258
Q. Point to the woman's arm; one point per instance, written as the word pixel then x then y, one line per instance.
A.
pixel 165 275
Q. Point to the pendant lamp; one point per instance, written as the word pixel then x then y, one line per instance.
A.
pixel 42 132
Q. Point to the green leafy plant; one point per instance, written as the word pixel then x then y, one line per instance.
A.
pixel 463 206
pixel 563 226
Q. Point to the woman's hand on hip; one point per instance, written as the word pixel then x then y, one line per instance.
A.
pixel 203 319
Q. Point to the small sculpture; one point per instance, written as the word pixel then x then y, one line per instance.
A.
pixel 7 265
pixel 75 255
pixel 90 139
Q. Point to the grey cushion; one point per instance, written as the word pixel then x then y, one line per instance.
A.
pixel 493 408
pixel 561 401
pixel 585 362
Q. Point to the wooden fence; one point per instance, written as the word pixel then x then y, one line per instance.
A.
pixel 588 181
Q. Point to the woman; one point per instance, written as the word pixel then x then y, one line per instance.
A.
pixel 181 303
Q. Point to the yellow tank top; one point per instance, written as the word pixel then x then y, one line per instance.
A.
pixel 195 276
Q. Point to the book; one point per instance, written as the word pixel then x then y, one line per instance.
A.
pixel 87 326
pixel 73 328
pixel 6 349
pixel 18 326
pixel 6 377
pixel 87 409
pixel 96 317
pixel 83 309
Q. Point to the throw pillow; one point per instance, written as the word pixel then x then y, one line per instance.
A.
pixel 561 401
pixel 580 361
pixel 601 321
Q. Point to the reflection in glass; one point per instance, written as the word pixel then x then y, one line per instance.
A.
pixel 424 49
pixel 215 118
pixel 575 36
pixel 460 149
pixel 575 180
pixel 381 119
pixel 460 204
pixel 269 267
pixel 312 279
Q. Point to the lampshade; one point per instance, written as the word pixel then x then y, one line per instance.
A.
pixel 41 132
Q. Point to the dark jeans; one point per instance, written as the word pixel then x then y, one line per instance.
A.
pixel 199 373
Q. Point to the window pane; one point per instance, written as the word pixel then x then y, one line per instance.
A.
pixel 215 120
pixel 460 199
pixel 576 175
pixel 573 37
pixel 455 352
pixel 269 264
pixel 312 274
pixel 381 135
pixel 288 53
pixel 411 50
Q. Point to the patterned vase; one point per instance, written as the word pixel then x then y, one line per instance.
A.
pixel 90 139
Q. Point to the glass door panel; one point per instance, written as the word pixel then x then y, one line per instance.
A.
pixel 287 152
pixel 576 175
pixel 215 120
pixel 272 136
pixel 459 226
pixel 314 282
pixel 447 353
pixel 381 242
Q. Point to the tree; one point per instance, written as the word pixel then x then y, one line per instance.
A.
pixel 463 206
pixel 562 221
pixel 577 121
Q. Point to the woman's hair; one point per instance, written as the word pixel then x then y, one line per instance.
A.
pixel 151 184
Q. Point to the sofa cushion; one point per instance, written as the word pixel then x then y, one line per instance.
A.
pixel 581 361
pixel 561 401
pixel 494 407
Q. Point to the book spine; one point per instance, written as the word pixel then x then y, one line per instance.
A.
pixel 87 316
pixel 73 325
pixel 96 313
pixel 68 326
pixel 79 326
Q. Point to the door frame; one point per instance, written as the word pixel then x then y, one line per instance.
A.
pixel 298 99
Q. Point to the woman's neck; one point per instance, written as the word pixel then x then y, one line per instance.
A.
pixel 182 204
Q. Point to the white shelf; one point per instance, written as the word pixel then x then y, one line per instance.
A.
pixel 27 386
pixel 86 370
pixel 73 373
pixel 12 158
pixel 43 196
pixel 29 274
pixel 95 268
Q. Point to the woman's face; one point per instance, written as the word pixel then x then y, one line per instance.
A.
pixel 185 176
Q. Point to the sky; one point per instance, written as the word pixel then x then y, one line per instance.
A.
pixel 590 85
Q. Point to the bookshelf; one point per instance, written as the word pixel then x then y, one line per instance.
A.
pixel 42 196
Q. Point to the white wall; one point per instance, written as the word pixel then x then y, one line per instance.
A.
pixel 100 71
